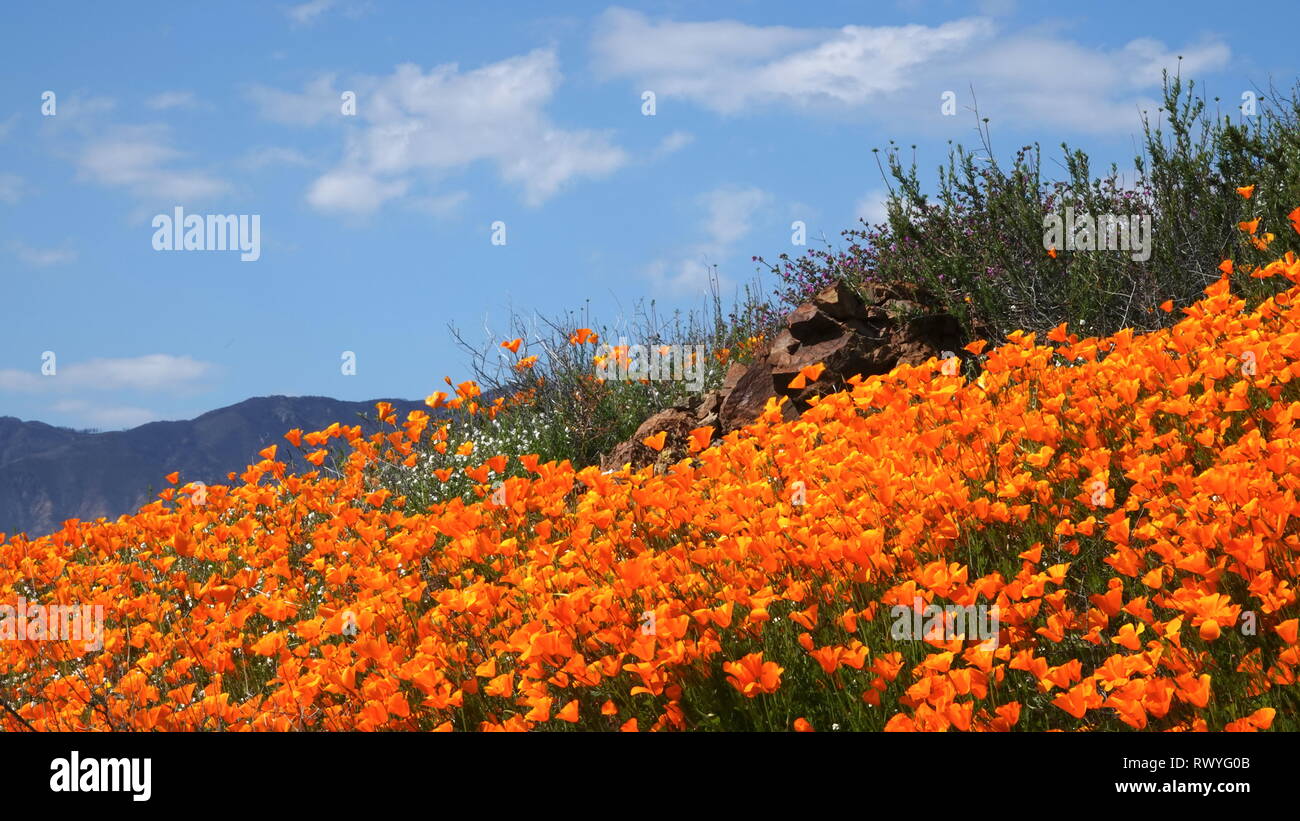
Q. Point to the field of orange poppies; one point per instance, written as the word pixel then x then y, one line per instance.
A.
pixel 1127 506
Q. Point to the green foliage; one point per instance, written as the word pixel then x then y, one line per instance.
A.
pixel 560 408
pixel 979 245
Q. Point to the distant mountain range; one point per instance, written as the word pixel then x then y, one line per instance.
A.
pixel 49 474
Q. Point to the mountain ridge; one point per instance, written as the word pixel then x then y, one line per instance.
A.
pixel 49 474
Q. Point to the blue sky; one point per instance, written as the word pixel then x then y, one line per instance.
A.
pixel 375 228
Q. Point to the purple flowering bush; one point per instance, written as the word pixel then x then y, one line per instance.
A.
pixel 983 252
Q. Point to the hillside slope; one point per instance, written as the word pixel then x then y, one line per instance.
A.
pixel 1111 523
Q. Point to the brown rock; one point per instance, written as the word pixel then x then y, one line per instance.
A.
pixel 677 422
pixel 747 399
pixel 734 373
pixel 839 302
pixel 807 325
pixel 850 335
pixel 709 404
pixel 706 414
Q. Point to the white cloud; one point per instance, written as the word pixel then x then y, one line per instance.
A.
pixel 152 372
pixel 141 159
pixel 311 12
pixel 11 188
pixel 105 417
pixel 43 257
pixel 7 124
pixel 674 142
pixel 317 101
pixel 353 192
pixel 729 212
pixel 872 207
pixel 1032 75
pixel 307 13
pixel 172 99
pixel 628 43
pixel 729 66
pixel 414 123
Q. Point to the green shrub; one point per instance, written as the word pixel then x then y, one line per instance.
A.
pixel 978 246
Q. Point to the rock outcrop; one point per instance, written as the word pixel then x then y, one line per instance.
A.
pixel 847 334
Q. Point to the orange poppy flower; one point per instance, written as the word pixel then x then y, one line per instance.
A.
pixel 700 438
pixel 752 676
pixel 810 372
